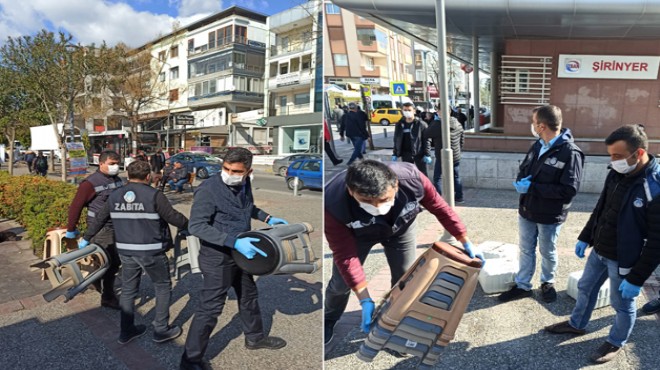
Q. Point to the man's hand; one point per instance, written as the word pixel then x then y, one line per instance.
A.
pixel 522 186
pixel 244 246
pixel 428 159
pixel 72 234
pixel 83 243
pixel 469 249
pixel 277 221
pixel 394 158
pixel 580 247
pixel 368 307
pixel 629 291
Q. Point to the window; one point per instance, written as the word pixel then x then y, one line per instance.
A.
pixel 191 45
pixel 295 64
pixel 174 51
pixel 522 81
pixel 174 73
pixel 256 85
pixel 418 60
pixel 161 56
pixel 240 83
pixel 239 60
pixel 341 60
pixel 198 89
pixel 174 95
pixel 211 39
pixel 419 75
pixel 212 87
pixel 284 44
pixel 311 166
pixel 369 65
pixel 284 68
pixel 241 35
pixel 296 165
pixel 366 36
pixel 161 77
pixel 224 35
pixel 332 9
pixel 283 101
pixel 299 99
pixel 273 69
pixel 306 61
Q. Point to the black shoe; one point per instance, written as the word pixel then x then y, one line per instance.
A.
pixel 548 292
pixel 605 353
pixel 190 365
pixel 328 331
pixel 169 334
pixel 652 307
pixel 564 328
pixel 137 332
pixel 513 294
pixel 339 161
pixel 459 201
pixel 112 303
pixel 266 343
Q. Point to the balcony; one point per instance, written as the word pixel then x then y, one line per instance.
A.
pixel 290 79
pixel 290 49
pixel 225 43
pixel 372 48
pixel 294 109
pixel 373 72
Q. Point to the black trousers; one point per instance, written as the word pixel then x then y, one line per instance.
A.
pixel 106 239
pixel 331 153
pixel 221 273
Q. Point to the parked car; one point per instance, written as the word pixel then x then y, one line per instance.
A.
pixel 202 164
pixel 484 113
pixel 385 116
pixel 309 173
pixel 280 165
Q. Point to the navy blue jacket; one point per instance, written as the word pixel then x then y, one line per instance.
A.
pixel 556 177
pixel 218 214
pixel 638 226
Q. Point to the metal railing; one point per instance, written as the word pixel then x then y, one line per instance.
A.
pixel 293 109
pixel 276 50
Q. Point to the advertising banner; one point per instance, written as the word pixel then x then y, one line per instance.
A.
pixel 301 139
pixel 77 158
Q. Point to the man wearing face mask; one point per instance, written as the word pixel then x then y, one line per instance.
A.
pixel 410 144
pixel 93 193
pixel 373 203
pixel 624 230
pixel 222 208
pixel 548 179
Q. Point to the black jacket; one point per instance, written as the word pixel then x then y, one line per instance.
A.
pixel 456 137
pixel 354 124
pixel 556 177
pixel 421 145
pixel 157 161
pixel 637 227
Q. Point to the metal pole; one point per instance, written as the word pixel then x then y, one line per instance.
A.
pixel 426 87
pixel 493 89
pixel 447 154
pixel 475 63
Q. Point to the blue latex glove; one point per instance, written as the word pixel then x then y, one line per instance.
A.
pixel 469 250
pixel 244 246
pixel 72 234
pixel 580 247
pixel 368 307
pixel 277 221
pixel 393 158
pixel 83 243
pixel 522 186
pixel 428 159
pixel 629 291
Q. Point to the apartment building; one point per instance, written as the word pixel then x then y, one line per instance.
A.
pixel 294 85
pixel 356 48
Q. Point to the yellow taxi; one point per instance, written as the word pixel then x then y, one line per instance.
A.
pixel 385 116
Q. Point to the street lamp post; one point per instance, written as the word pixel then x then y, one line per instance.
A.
pixel 70 49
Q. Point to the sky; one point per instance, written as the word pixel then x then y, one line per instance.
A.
pixel 133 22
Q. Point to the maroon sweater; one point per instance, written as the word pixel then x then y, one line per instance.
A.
pixel 84 195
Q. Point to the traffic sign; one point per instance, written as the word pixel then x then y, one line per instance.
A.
pixel 467 68
pixel 370 80
pixel 366 89
pixel 398 88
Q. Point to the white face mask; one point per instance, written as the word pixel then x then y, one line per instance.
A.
pixel 383 209
pixel 621 166
pixel 408 114
pixel 536 134
pixel 113 169
pixel 231 180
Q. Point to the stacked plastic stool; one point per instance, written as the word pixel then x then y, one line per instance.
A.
pixel 421 313
pixel 499 274
pixel 603 299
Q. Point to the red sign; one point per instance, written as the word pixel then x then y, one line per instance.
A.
pixel 433 92
pixel 467 68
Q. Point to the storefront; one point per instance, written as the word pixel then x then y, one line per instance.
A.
pixel 301 133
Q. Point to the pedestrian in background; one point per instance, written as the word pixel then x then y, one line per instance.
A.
pixel 456 140
pixel 141 216
pixel 410 143
pixel 327 137
pixel 548 179
pixel 624 231
pixel 40 165
pixel 354 125
pixel 177 177
pixel 29 159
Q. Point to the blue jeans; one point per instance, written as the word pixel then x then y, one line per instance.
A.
pixel 157 267
pixel 546 235
pixel 437 178
pixel 596 271
pixel 357 148
pixel 178 184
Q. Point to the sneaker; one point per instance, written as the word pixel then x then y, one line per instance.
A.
pixel 137 332
pixel 605 353
pixel 652 307
pixel 514 294
pixel 328 331
pixel 111 303
pixel 459 201
pixel 186 364
pixel 564 328
pixel 548 292
pixel 266 343
pixel 169 334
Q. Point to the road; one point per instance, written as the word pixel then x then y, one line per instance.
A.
pixel 270 182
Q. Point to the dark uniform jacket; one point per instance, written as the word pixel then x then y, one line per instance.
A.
pixel 556 177
pixel 637 224
pixel 354 124
pixel 420 144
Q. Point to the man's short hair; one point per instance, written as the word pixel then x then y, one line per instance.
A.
pixel 138 170
pixel 352 106
pixel 239 155
pixel 108 154
pixel 550 115
pixel 408 105
pixel 634 136
pixel 370 178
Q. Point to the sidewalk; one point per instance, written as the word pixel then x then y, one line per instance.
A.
pixel 493 335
